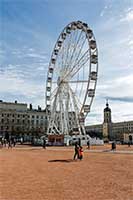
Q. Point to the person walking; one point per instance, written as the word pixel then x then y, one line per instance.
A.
pixel 80 152
pixel 2 141
pixel 76 153
pixel 9 143
pixel 113 146
pixel 44 143
pixel 7 138
pixel 130 140
pixel 14 142
pixel 88 144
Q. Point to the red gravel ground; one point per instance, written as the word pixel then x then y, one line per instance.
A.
pixel 36 174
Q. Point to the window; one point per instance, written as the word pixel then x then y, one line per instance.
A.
pixel 32 116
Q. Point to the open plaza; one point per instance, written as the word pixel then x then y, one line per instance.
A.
pixel 34 173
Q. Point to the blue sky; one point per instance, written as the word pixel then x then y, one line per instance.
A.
pixel 29 30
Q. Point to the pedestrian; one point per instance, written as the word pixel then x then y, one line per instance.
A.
pixel 113 146
pixel 79 142
pixel 130 140
pixel 9 143
pixel 88 144
pixel 14 142
pixel 76 153
pixel 44 143
pixel 2 141
pixel 80 152
pixel 7 137
pixel 21 140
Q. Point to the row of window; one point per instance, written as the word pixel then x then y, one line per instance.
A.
pixel 33 116
pixel 12 115
pixel 15 115
pixel 17 128
pixel 20 121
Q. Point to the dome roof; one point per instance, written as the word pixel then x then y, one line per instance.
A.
pixel 107 109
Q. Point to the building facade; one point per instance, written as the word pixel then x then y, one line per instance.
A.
pixel 110 130
pixel 16 118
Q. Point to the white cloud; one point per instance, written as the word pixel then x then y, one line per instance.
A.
pixel 128 16
pixel 15 85
pixel 35 55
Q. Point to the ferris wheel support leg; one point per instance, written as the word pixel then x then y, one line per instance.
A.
pixel 84 132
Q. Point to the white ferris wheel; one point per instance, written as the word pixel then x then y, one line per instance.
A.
pixel 71 79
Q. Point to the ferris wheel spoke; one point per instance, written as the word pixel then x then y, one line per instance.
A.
pixel 77 66
pixel 70 65
pixel 53 93
pixel 68 49
pixel 71 47
pixel 81 59
pixel 79 51
pixel 58 66
pixel 77 39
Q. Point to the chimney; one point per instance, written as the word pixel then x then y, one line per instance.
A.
pixel 30 106
pixel 15 101
pixel 39 108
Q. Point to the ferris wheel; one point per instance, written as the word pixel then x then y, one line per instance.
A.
pixel 71 79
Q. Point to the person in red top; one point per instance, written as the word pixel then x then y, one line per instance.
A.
pixel 80 152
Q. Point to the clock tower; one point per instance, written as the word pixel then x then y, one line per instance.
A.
pixel 107 123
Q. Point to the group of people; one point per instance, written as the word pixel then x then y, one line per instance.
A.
pixel 78 152
pixel 8 140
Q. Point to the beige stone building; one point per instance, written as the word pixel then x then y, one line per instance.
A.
pixel 110 130
pixel 18 119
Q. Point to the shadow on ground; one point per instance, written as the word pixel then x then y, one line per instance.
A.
pixel 62 160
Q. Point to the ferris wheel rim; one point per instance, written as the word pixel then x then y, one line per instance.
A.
pixel 90 38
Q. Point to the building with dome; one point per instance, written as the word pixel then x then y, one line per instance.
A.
pixel 109 130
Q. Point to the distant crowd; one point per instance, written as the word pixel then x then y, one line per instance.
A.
pixel 8 140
